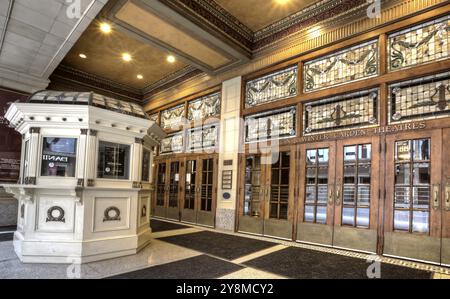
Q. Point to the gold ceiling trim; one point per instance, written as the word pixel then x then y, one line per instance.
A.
pixel 332 31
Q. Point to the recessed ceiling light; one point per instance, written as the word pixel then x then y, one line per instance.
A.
pixel 282 2
pixel 105 27
pixel 83 56
pixel 171 59
pixel 126 57
pixel 140 77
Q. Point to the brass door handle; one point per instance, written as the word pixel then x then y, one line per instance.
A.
pixel 436 188
pixel 447 198
pixel 330 195
pixel 338 193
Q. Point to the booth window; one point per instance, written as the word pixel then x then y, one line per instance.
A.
pixel 58 157
pixel 113 161
pixel 145 165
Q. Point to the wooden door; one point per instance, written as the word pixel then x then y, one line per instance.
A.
pixel 279 194
pixel 207 190
pixel 357 195
pixel 316 212
pixel 191 190
pixel 251 207
pixel 161 190
pixel 413 210
pixel 445 205
pixel 174 171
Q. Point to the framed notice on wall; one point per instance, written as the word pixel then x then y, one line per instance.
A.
pixel 227 177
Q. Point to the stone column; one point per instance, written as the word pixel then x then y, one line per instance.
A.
pixel 229 153
pixel 91 152
pixel 33 156
pixel 136 162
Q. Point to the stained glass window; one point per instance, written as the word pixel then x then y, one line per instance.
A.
pixel 204 107
pixel 276 86
pixel 357 109
pixel 427 97
pixel 271 125
pixel 351 64
pixel 154 117
pixel 172 144
pixel 202 138
pixel 172 118
pixel 420 44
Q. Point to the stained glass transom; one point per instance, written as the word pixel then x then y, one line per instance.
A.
pixel 271 125
pixel 276 86
pixel 202 138
pixel 172 144
pixel 172 118
pixel 351 64
pixel 204 107
pixel 420 44
pixel 427 97
pixel 345 111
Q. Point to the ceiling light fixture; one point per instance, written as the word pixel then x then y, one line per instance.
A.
pixel 171 59
pixel 105 27
pixel 140 77
pixel 83 56
pixel 126 57
pixel 282 2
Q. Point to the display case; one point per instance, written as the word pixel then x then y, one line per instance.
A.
pixel 85 187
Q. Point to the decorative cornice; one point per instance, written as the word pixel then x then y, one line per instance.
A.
pixel 70 73
pixel 213 14
pixel 340 27
pixel 169 78
pixel 173 83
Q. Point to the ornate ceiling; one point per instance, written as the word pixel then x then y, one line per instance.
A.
pixel 205 36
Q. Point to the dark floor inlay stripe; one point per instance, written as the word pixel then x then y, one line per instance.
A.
pixel 222 245
pixel 199 267
pixel 303 263
pixel 160 226
pixel 6 237
pixel 8 228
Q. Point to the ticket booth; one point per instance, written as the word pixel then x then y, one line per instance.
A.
pixel 85 179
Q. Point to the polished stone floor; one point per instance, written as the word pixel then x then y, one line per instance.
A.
pixel 185 252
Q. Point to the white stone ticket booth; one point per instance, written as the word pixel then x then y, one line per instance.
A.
pixel 85 184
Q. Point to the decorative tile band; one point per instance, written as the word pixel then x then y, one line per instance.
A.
pixel 422 98
pixel 348 65
pixel 358 109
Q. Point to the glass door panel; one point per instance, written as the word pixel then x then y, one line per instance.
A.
pixel 356 207
pixel 413 210
pixel 160 206
pixel 173 211
pixel 316 193
pixel 207 190
pixel 189 211
pixel 252 196
pixel 279 194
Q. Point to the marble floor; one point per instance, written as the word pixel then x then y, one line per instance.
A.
pixel 181 251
